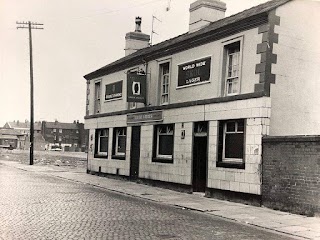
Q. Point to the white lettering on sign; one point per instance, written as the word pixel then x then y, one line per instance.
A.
pixel 190 66
pixel 114 95
pixel 193 80
pixel 199 64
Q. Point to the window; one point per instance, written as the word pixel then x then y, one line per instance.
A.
pixel 163 143
pixel 54 130
pixel 119 143
pixel 164 81
pixel 101 146
pixel 97 94
pixel 55 138
pixel 60 130
pixel 231 143
pixel 232 71
pixel 60 138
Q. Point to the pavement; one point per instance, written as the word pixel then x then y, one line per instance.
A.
pixel 297 226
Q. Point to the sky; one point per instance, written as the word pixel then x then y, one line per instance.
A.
pixel 79 36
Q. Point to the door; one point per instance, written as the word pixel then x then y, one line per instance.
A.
pixel 200 153
pixel 135 152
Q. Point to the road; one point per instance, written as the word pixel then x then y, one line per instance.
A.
pixel 39 206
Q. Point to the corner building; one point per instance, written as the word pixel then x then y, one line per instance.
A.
pixel 190 112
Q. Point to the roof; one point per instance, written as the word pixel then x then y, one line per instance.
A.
pixel 60 125
pixel 9 131
pixel 212 28
pixel 26 125
pixel 8 137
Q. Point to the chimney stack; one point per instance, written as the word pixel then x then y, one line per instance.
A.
pixel 204 12
pixel 136 40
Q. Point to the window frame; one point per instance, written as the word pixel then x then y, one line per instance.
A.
pixel 222 161
pixel 97 97
pixel 115 144
pixel 97 152
pixel 227 45
pixel 157 157
pixel 163 93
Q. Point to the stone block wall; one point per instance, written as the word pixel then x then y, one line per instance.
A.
pixel 291 174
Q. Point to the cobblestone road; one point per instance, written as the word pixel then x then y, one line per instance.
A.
pixel 37 206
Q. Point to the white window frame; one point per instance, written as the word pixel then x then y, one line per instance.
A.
pixel 236 131
pixel 229 81
pixel 120 132
pixel 164 85
pixel 167 132
pixel 106 131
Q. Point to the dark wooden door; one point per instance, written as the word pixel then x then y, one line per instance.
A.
pixel 135 152
pixel 200 153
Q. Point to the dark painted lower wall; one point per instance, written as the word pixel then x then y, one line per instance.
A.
pixel 291 174
pixel 239 197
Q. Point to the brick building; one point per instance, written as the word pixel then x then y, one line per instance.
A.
pixel 23 127
pixel 68 136
pixel 191 111
pixel 11 138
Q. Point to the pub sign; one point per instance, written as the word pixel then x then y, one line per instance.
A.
pixel 113 91
pixel 194 72
pixel 136 87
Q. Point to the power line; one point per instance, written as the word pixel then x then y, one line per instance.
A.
pixel 30 25
pixel 103 12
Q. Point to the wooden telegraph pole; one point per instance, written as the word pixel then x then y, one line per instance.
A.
pixel 29 25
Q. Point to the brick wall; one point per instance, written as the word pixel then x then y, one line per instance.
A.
pixel 291 174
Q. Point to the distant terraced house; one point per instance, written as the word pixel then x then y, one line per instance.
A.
pixel 67 136
pixel 23 127
pixel 11 139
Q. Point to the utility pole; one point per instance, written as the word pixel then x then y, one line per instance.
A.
pixel 29 25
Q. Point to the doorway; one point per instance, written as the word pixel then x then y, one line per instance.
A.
pixel 135 152
pixel 200 156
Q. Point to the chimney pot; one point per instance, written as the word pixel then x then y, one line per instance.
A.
pixel 138 24
pixel 136 40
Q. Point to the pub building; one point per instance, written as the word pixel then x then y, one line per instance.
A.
pixel 190 112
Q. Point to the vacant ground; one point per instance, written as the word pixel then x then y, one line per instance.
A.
pixel 72 159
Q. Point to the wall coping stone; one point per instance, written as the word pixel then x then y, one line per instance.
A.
pixel 296 138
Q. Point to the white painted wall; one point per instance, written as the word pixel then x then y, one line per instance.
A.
pixel 208 90
pixel 295 95
pixel 213 88
pixel 257 113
